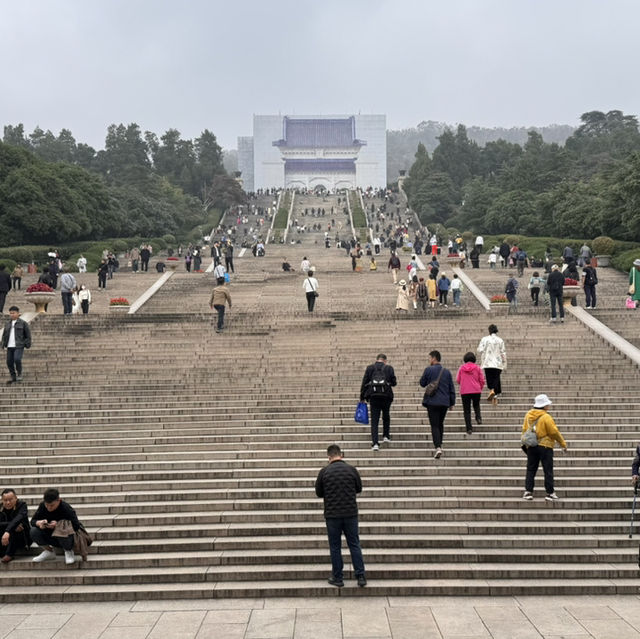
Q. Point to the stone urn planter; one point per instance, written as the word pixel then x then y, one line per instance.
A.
pixel 603 260
pixel 172 264
pixel 40 299
pixel 569 292
pixel 119 308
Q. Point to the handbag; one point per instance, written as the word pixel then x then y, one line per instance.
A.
pixel 362 413
pixel 632 289
pixel 529 437
pixel 431 388
pixel 315 293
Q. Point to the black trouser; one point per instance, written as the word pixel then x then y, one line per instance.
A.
pixel 536 455
pixel 14 361
pixel 443 296
pixel 102 280
pixel 467 400
pixel 436 419
pixel 556 297
pixel 67 302
pixel 16 283
pixel 228 262
pixel 85 306
pixel 590 294
pixel 535 292
pixel 220 310
pixel 492 376
pixel 3 297
pixel 145 265
pixel 311 300
pixel 18 540
pixel 45 538
pixel 378 405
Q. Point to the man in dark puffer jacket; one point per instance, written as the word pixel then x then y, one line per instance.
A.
pixel 338 483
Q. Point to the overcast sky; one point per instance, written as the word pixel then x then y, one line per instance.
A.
pixel 196 64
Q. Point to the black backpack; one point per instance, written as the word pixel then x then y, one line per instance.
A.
pixel 590 279
pixel 379 386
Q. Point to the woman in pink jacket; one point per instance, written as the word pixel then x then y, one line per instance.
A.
pixel 471 380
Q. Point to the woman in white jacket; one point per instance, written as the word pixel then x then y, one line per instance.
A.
pixel 493 359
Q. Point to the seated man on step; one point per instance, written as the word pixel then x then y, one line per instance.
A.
pixel 54 524
pixel 14 525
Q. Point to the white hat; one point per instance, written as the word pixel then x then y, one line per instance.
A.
pixel 636 262
pixel 541 401
pixel 402 283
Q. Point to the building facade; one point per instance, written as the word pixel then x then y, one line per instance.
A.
pixel 307 152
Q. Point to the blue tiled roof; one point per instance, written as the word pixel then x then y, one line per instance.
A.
pixel 309 133
pixel 320 166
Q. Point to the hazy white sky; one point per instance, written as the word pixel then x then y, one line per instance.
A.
pixel 196 64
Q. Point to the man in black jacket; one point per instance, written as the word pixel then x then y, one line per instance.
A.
pixel 14 525
pixel 50 513
pixel 376 389
pixel 338 483
pixel 15 338
pixel 555 284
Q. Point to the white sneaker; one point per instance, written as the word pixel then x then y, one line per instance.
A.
pixel 45 555
pixel 552 497
pixel 69 557
pixel 386 439
pixel 527 495
pixel 375 447
pixel 587 307
pixel 438 453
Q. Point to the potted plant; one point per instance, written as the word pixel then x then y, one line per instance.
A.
pixel 603 248
pixel 40 294
pixel 571 289
pixel 172 262
pixel 499 299
pixel 119 305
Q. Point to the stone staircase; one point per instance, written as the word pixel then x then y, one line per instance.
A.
pixel 191 457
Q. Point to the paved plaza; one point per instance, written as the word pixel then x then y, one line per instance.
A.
pixel 571 617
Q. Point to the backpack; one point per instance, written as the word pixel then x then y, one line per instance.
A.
pixel 529 437
pixel 591 278
pixel 423 292
pixel 511 287
pixel 379 386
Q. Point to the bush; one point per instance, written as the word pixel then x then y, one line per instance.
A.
pixel 19 254
pixel 513 240
pixel 468 237
pixel 159 244
pixel 169 239
pixel 603 245
pixel 119 246
pixel 624 261
pixel 9 265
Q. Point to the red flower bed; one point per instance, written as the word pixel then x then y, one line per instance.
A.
pixel 39 288
pixel 499 299
pixel 119 301
pixel 173 259
pixel 569 282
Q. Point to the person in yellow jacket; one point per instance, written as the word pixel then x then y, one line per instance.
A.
pixel 548 434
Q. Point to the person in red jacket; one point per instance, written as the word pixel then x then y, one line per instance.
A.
pixel 471 380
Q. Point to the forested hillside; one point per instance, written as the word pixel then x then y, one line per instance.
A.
pixel 402 145
pixel 588 187
pixel 53 189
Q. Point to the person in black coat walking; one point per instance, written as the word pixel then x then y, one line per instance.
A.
pixel 438 403
pixel 338 483
pixel 15 338
pixel 376 388
pixel 555 284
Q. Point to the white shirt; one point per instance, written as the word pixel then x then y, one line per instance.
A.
pixel 310 284
pixel 479 240
pixel 304 265
pixel 219 271
pixel 456 284
pixel 492 352
pixel 12 335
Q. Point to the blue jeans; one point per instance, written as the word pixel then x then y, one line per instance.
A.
pixel 220 309
pixel 67 302
pixel 335 527
pixel 456 297
pixel 14 361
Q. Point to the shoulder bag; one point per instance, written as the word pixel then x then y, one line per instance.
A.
pixel 431 388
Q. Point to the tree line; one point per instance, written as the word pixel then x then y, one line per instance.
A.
pixel 588 187
pixel 54 189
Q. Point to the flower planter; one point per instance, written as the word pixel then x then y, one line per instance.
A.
pixel 40 299
pixel 569 292
pixel 602 260
pixel 119 308
pixel 172 264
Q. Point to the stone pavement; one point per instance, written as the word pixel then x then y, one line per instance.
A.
pixel 571 617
